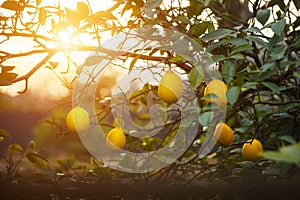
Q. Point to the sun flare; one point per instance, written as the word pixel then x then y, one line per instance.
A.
pixel 40 82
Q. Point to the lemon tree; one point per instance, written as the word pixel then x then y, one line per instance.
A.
pixel 249 72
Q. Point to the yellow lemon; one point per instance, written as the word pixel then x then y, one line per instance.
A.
pixel 224 134
pixel 252 151
pixel 116 138
pixel 218 88
pixel 78 119
pixel 170 88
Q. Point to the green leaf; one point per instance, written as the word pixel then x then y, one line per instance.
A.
pixel 12 5
pixel 278 27
pixel 241 48
pixel 210 96
pixel 228 71
pixel 258 41
pixel 233 94
pixel 264 75
pixel 251 85
pixel 196 76
pixel 246 164
pixel 263 16
pixel 4 133
pixel 177 58
pixel 182 18
pixel 278 51
pixel 275 88
pixel 36 159
pixel 267 66
pixel 205 118
pixel 214 59
pixel 239 41
pixel 206 2
pixel 15 148
pixel 217 44
pixel 237 56
pixel 253 30
pixel 217 34
pixel 199 29
pixel 194 9
pixel 297 75
pixel 189 119
pixel 288 107
pixel 289 154
pixel 287 138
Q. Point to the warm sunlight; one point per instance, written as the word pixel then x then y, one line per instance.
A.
pixel 149 99
pixel 51 84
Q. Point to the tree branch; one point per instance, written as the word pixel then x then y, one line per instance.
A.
pixel 32 71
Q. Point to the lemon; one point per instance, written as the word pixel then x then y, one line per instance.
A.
pixel 78 119
pixel 224 134
pixel 170 88
pixel 252 151
pixel 116 138
pixel 218 88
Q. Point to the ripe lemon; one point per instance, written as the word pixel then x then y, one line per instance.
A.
pixel 224 134
pixel 218 88
pixel 170 88
pixel 116 138
pixel 78 119
pixel 252 151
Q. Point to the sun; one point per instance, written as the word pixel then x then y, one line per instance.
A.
pixel 45 82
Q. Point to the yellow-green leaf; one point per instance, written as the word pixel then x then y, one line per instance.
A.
pixel 15 148
pixel 132 63
pixel 4 133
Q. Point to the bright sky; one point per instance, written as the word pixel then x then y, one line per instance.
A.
pixel 44 82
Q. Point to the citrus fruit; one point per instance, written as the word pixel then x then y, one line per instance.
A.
pixel 170 88
pixel 78 119
pixel 224 134
pixel 116 138
pixel 251 151
pixel 218 88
